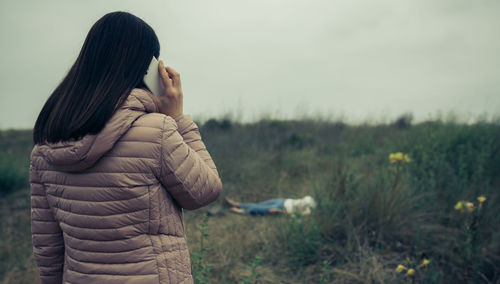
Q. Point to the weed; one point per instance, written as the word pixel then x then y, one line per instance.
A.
pixel 325 274
pixel 201 267
pixel 300 240
pixel 255 275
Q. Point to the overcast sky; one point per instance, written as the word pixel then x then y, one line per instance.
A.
pixel 350 59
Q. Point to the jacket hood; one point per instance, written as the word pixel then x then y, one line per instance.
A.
pixel 78 155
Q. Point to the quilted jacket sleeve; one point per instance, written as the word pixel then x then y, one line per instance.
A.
pixel 47 238
pixel 187 170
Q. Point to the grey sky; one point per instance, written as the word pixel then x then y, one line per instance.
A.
pixel 353 59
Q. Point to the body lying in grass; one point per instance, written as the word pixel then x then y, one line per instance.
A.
pixel 301 206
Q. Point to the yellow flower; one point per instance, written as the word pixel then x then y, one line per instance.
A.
pixel 469 206
pixel 459 205
pixel 425 262
pixel 400 268
pixel 406 158
pixel 410 271
pixel 398 156
pixel 392 158
pixel 481 199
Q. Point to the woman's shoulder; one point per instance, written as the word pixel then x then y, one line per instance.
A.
pixel 155 120
pixel 151 127
pixel 154 127
pixel 182 123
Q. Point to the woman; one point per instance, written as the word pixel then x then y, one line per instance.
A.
pixel 290 206
pixel 113 166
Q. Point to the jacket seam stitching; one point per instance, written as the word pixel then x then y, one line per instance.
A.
pixel 97 201
pixel 107 274
pixel 107 215
pixel 104 263
pixel 162 245
pixel 100 229
pixel 104 186
pixel 87 173
pixel 101 241
pixel 106 252
pixel 151 237
pixel 161 148
pixel 129 157
pixel 135 141
pixel 161 175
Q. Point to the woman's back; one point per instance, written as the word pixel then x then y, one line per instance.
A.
pixel 107 208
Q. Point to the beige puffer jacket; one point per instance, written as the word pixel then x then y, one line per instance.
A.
pixel 108 208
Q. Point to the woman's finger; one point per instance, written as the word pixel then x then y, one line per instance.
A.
pixel 176 77
pixel 164 75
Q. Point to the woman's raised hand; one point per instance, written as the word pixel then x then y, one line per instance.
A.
pixel 170 103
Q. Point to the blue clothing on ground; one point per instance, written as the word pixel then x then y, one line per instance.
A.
pixel 263 207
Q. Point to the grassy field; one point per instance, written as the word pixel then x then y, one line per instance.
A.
pixel 373 214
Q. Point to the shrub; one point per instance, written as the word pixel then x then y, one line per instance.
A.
pixel 215 124
pixel 300 240
pixel 404 121
pixel 13 173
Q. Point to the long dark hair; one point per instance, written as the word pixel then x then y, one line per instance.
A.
pixel 113 60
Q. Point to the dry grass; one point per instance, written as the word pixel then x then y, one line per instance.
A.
pixel 370 217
